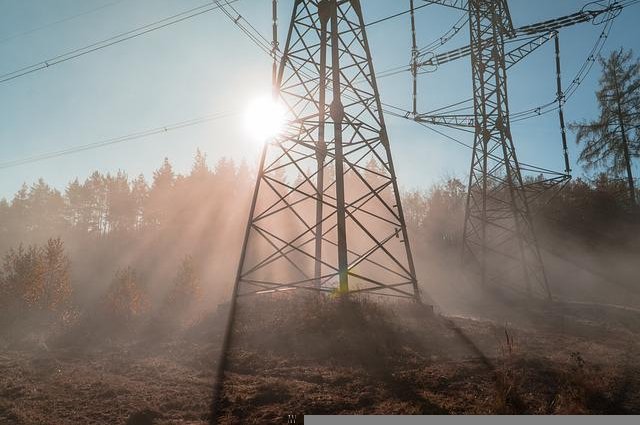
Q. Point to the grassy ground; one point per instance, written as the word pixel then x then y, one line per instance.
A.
pixel 336 357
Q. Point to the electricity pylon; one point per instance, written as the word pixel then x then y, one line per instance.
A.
pixel 326 212
pixel 499 233
pixel 498 229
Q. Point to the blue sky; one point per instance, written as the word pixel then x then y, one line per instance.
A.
pixel 206 65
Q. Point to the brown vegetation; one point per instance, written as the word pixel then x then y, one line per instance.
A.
pixel 114 319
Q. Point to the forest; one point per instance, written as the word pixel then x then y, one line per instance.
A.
pixel 127 245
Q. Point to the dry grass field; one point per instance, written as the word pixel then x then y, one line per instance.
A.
pixel 334 357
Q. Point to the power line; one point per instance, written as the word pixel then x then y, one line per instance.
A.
pixel 59 21
pixel 614 9
pixel 576 82
pixel 441 41
pixel 436 43
pixel 401 112
pixel 579 77
pixel 200 10
pixel 116 140
pixel 524 165
pixel 141 134
pixel 249 30
pixel 150 132
pixel 174 19
pixel 386 18
pixel 240 17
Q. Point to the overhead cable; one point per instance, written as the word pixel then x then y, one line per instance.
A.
pixel 116 39
pixel 115 140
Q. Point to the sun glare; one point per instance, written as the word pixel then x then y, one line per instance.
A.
pixel 265 119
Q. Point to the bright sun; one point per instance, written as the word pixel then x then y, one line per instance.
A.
pixel 265 118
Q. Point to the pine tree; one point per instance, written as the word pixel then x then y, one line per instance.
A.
pixel 19 211
pixel 225 169
pixel 159 200
pixel 120 205
pixel 95 203
pixel 4 217
pixel 56 268
pixel 73 206
pixel 199 170
pixel 24 278
pixel 613 139
pixel 45 209
pixel 164 177
pixel 37 278
pixel 139 194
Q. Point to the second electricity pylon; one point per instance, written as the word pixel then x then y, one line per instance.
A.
pixel 326 212
pixel 498 228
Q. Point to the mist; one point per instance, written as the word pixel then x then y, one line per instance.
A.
pixel 131 275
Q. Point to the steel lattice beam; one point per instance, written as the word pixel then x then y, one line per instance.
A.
pixel 511 58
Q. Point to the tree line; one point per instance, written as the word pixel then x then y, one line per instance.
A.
pixel 134 247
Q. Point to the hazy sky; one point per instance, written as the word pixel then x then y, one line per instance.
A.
pixel 206 65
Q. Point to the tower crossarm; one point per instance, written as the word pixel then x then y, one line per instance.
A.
pixel 546 30
pixel 510 58
pixel 515 55
pixel 458 120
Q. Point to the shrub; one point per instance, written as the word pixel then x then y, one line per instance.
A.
pixel 186 287
pixel 37 278
pixel 35 291
pixel 126 300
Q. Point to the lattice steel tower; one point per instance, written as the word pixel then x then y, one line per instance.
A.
pixel 326 212
pixel 498 229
